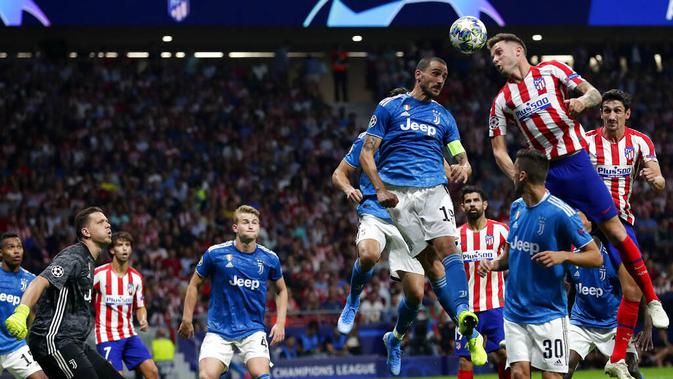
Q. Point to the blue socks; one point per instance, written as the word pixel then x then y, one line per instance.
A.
pixel 359 279
pixel 406 315
pixel 453 298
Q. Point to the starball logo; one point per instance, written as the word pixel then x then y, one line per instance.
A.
pixel 11 12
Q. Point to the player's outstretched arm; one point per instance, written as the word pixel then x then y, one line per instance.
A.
pixel 186 327
pixel 341 178
pixel 499 264
pixel 369 148
pixel 502 158
pixel 278 330
pixel 652 174
pixel 590 98
pixel 17 322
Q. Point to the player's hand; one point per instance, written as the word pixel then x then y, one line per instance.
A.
pixel 549 258
pixel 644 340
pixel 387 199
pixel 277 334
pixel 485 267
pixel 575 106
pixel 144 326
pixel 186 329
pixel 354 195
pixel 649 174
pixel 16 323
pixel 460 173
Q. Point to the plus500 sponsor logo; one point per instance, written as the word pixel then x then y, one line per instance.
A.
pixel 246 283
pixel 526 110
pixel 589 291
pixel 478 255
pixel 14 300
pixel 423 128
pixel 525 246
pixel 614 171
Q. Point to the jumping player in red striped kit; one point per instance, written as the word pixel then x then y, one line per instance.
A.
pixel 482 239
pixel 118 292
pixel 535 98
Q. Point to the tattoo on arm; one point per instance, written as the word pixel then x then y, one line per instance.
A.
pixel 590 95
pixel 369 145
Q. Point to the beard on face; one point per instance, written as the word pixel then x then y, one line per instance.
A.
pixel 518 189
pixel 474 215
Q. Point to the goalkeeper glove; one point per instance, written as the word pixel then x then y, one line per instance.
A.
pixel 16 323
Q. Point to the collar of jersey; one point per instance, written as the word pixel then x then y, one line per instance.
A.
pixel 546 195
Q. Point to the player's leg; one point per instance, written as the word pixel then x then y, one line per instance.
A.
pixel 112 352
pixel 465 368
pixel 214 356
pixel 627 313
pixel 137 357
pixel 370 243
pixel 632 363
pixel 491 326
pixel 581 342
pixel 550 347
pixel 520 349
pixel 21 364
pixel 575 360
pixel 101 366
pixel 255 351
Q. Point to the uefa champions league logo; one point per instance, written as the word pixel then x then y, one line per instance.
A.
pixel 340 15
pixel 11 12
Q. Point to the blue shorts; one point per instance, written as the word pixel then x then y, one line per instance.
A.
pixel 615 257
pixel 574 180
pixel 491 326
pixel 129 350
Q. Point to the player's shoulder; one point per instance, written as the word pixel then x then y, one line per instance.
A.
pixel 268 252
pixel 552 65
pixel 134 272
pixel 559 206
pixel 498 224
pixel 592 133
pixel 638 134
pixel 393 101
pixel 220 247
pixel 25 273
pixel 518 203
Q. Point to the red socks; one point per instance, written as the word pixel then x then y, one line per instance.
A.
pixel 627 318
pixel 634 264
pixel 463 374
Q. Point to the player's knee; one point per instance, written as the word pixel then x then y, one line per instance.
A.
pixel 614 230
pixel 631 291
pixel 464 364
pixel 369 256
pixel 413 296
pixel 151 371
pixel 520 372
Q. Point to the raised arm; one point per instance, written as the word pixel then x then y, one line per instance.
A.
pixel 368 163
pixel 652 174
pixel 590 98
pixel 502 158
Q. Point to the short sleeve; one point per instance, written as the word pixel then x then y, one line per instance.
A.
pixel 205 265
pixel 139 297
pixel 452 133
pixel 276 272
pixel 497 122
pixel 378 122
pixel 573 231
pixel 565 74
pixel 62 268
pixel 353 155
pixel 647 152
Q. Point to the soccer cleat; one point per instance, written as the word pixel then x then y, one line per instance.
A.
pixel 347 317
pixel 394 352
pixel 467 321
pixel 618 370
pixel 477 352
pixel 658 314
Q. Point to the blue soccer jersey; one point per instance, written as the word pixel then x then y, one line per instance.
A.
pixel 414 136
pixel 369 203
pixel 597 294
pixel 536 294
pixel 238 295
pixel 12 286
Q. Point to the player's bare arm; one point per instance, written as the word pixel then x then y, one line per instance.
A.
pixel 371 145
pixel 652 174
pixel 502 158
pixel 341 178
pixel 141 316
pixel 461 171
pixel 590 98
pixel 34 291
pixel 499 264
pixel 588 256
pixel 278 330
pixel 186 327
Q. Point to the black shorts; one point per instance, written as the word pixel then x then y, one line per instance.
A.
pixel 77 361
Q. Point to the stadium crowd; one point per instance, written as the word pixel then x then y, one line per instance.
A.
pixel 169 148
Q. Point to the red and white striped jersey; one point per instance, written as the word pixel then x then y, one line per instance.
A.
pixel 115 299
pixel 487 244
pixel 617 163
pixel 536 105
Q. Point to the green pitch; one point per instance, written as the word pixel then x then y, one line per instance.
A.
pixel 648 373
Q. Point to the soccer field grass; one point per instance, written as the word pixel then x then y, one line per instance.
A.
pixel 648 373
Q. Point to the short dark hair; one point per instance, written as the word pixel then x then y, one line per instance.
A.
pixel 82 219
pixel 534 163
pixel 424 63
pixel 121 236
pixel 397 91
pixel 7 235
pixel 506 37
pixel 618 95
pixel 472 189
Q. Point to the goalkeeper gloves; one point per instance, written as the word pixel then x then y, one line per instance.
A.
pixel 16 323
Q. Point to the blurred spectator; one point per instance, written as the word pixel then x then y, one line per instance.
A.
pixel 335 344
pixel 163 352
pixel 371 308
pixel 310 341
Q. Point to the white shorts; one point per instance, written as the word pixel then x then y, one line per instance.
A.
pixel 584 340
pixel 387 235
pixel 19 363
pixel 545 346
pixel 252 346
pixel 423 214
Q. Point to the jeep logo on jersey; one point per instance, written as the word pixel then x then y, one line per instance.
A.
pixel 14 300
pixel 589 291
pixel 247 283
pixel 525 246
pixel 527 109
pixel 423 128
